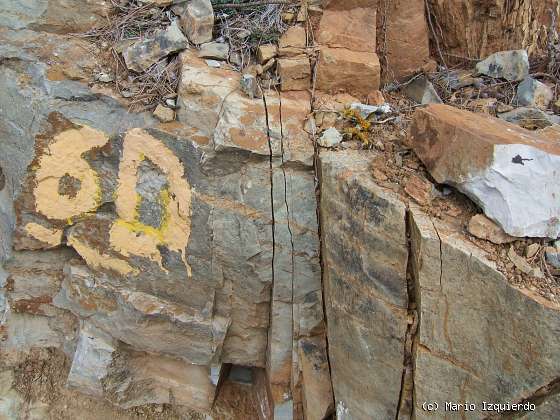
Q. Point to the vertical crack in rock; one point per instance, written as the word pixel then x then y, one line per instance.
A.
pixel 317 180
pixel 440 257
pixel 288 217
pixel 539 397
pixel 271 174
pixel 406 403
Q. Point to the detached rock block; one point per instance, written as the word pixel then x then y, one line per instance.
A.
pixel 511 173
pixel 343 70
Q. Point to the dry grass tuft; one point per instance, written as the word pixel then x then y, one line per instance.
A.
pixel 130 21
pixel 246 29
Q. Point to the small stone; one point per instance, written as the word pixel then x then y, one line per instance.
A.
pixel 330 138
pixel 530 118
pixel 104 78
pixel 522 265
pixel 420 189
pixel 250 86
pixel 172 103
pixel 531 92
pixel 198 21
pixel 214 50
pixel 422 91
pixel 510 65
pixel 288 17
pixel 532 250
pixel 243 34
pixel 366 111
pixel 236 59
pixel 266 52
pixel 310 126
pixel 164 114
pixel 501 108
pixel 459 79
pixel 143 54
pixel 213 63
pixel 268 65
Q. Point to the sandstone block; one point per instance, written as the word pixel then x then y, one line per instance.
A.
pixel 406 38
pixel 295 73
pixel 350 25
pixel 342 70
pixel 508 171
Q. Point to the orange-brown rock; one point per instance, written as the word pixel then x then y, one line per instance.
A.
pixel 404 41
pixel 349 24
pixel 294 72
pixel 342 70
pixel 475 29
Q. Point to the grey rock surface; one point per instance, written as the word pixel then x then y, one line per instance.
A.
pixel 365 258
pixel 147 52
pixel 466 346
pixel 510 65
pixel 534 93
pixel 421 90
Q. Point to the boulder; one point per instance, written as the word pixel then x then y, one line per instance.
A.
pixel 342 70
pixel 197 21
pixel 477 333
pixel 511 173
pixel 57 16
pixel 365 258
pixel 145 53
pixel 295 73
pixel 510 65
pixel 294 37
pixel 533 93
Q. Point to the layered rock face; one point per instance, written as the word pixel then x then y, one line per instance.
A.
pixel 185 246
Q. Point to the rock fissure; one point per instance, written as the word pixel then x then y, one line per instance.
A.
pixel 405 405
